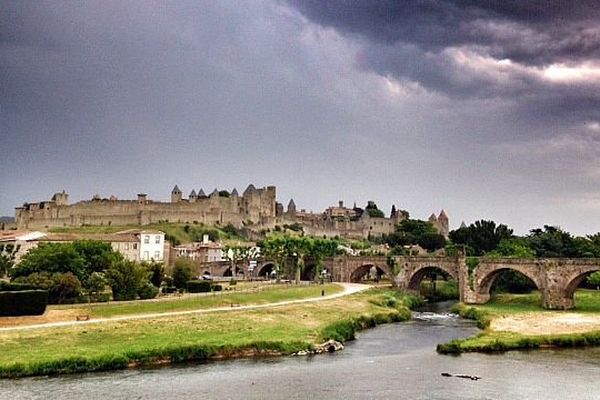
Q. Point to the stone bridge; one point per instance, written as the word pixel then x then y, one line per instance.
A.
pixel 556 278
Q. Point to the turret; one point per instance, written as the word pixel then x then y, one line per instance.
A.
pixel 291 208
pixel 193 196
pixel 234 193
pixel 176 195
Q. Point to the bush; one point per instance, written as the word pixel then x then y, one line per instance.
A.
pixel 14 287
pixel 60 287
pixel 25 302
pixel 126 278
pixel 232 282
pixel 148 291
pixel 169 289
pixel 198 286
pixel 217 288
pixel 182 272
pixel 65 286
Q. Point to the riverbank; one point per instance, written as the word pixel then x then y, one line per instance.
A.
pixel 517 322
pixel 171 339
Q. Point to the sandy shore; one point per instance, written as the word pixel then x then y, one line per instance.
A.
pixel 543 323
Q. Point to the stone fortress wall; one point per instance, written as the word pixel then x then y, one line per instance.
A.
pixel 255 208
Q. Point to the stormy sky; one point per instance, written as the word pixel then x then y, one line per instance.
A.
pixel 486 109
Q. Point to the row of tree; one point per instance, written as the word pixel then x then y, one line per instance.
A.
pixel 68 270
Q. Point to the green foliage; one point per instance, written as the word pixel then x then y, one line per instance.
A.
pixel 126 278
pixel 217 288
pixel 51 258
pixel 224 193
pixel 512 248
pixel 147 291
pixel 182 272
pixel 296 227
pixel 594 279
pixel 198 286
pixel 481 237
pixel 98 256
pixel 552 241
pixel 157 272
pixel 96 282
pixel 65 286
pixel 61 287
pixel 25 302
pixel 375 213
pixel 14 287
pixel 415 232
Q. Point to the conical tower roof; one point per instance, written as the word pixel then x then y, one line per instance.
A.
pixel 250 189
pixel 214 193
pixel 176 189
pixel 292 204
pixel 443 215
pixel 201 193
pixel 234 192
pixel 432 217
pixel 193 193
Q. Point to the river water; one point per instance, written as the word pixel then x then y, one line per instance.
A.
pixel 396 361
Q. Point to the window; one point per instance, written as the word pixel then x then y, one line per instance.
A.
pixel 146 255
pixel 135 246
pixel 126 245
pixel 157 255
pixel 157 241
pixel 146 239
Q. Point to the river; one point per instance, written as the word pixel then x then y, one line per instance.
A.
pixel 396 361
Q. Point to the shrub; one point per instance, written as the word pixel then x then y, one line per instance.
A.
pixel 182 272
pixel 64 286
pixel 25 302
pixel 198 286
pixel 169 289
pixel 217 288
pixel 96 282
pixel 148 291
pixel 125 278
pixel 232 282
pixel 14 287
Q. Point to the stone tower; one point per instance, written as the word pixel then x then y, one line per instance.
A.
pixel 61 198
pixel 193 196
pixel 443 223
pixel 176 195
pixel 291 208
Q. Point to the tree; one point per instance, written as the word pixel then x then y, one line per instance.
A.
pixel 552 241
pixel 98 256
pixel 182 272
pixel 51 258
pixel 413 231
pixel 126 278
pixel 156 270
pixel 481 237
pixel 512 248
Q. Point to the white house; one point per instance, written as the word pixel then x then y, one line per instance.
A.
pixel 152 245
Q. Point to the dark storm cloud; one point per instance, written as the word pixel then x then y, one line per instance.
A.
pixel 487 50
pixel 533 32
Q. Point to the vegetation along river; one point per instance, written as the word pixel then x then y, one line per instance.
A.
pixel 396 361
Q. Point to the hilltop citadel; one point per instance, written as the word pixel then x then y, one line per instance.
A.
pixel 256 209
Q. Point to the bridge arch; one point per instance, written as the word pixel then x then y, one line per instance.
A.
pixel 414 280
pixel 265 269
pixel 487 279
pixel 360 271
pixel 572 282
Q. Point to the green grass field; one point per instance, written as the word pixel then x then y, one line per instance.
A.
pixel 116 345
pixel 264 294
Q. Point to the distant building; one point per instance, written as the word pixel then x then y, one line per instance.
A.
pixel 205 251
pixel 141 245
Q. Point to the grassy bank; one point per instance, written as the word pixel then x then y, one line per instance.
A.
pixel 587 302
pixel 259 295
pixel 118 345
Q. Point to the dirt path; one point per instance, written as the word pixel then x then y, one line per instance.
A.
pixel 55 318
pixel 541 323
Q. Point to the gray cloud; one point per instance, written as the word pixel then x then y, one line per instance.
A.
pixel 409 106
